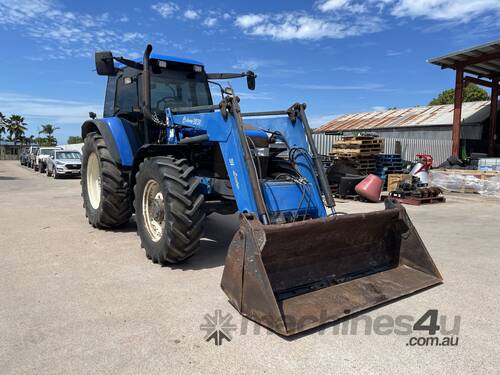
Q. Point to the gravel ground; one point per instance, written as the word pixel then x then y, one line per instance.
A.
pixel 77 300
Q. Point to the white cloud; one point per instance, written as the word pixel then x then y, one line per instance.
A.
pixel 166 9
pixel 56 111
pixel 459 10
pixel 191 14
pixel 133 36
pixel 351 69
pixel 210 21
pixel 252 64
pixel 65 34
pixel 391 52
pixel 289 26
pixel 249 20
pixel 329 5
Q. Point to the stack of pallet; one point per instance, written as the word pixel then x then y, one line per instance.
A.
pixel 360 151
pixel 388 164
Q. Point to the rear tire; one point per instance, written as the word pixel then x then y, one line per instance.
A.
pixel 168 209
pixel 106 197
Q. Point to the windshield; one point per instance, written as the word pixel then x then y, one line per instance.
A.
pixel 176 88
pixel 68 155
pixel 47 152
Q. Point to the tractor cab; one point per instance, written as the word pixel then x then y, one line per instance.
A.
pixel 174 82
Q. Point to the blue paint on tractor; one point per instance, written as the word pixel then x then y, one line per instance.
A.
pixel 122 140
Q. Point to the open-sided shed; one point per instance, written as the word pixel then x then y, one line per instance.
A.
pixel 482 65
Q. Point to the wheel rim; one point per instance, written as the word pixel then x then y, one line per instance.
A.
pixel 93 180
pixel 153 210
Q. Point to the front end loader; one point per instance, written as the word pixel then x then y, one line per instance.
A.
pixel 164 151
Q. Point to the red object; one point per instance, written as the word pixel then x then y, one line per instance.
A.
pixel 426 161
pixel 370 188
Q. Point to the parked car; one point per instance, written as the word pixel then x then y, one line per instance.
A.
pixel 23 157
pixel 64 163
pixel 30 158
pixel 41 157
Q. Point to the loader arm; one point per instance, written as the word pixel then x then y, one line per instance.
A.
pixel 268 200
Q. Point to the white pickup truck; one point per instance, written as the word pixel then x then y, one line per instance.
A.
pixel 41 157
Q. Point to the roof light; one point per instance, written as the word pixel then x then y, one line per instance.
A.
pixel 162 64
pixel 197 68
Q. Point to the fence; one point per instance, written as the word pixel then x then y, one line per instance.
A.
pixel 9 152
pixel 438 148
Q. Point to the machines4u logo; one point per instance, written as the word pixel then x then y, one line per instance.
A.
pixel 218 327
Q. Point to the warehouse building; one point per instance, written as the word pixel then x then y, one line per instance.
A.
pixel 425 129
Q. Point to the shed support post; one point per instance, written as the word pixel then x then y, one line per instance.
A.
pixel 457 111
pixel 493 119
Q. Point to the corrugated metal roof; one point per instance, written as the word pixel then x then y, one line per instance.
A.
pixel 489 68
pixel 472 113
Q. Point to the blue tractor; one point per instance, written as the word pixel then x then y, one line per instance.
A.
pixel 164 151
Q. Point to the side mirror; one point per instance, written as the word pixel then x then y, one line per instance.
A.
pixel 251 80
pixel 104 64
pixel 52 156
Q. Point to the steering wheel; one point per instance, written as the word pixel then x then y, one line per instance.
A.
pixel 165 100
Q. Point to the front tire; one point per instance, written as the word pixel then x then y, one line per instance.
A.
pixel 106 197
pixel 168 209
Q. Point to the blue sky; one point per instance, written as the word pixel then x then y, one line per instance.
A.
pixel 338 56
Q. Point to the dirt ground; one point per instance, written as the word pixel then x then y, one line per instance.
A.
pixel 74 299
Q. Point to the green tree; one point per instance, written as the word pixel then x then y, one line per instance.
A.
pixel 30 140
pixel 73 139
pixel 471 93
pixel 49 130
pixel 41 141
pixel 16 127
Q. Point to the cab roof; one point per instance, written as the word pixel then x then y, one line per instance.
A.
pixel 165 58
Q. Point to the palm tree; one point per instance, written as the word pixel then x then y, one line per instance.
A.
pixel 49 130
pixel 3 125
pixel 16 127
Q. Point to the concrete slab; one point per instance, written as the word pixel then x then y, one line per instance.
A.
pixel 75 300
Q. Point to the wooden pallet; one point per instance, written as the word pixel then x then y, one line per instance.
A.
pixel 353 153
pixel 341 146
pixel 414 201
pixel 359 138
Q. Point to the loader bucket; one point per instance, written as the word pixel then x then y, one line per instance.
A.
pixel 296 276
